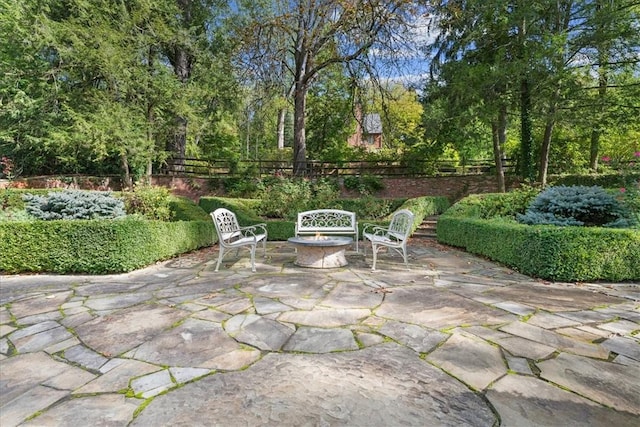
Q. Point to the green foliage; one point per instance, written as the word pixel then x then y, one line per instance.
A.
pixel 184 209
pixel 283 198
pixel 150 202
pixel 96 246
pixel 14 215
pixel 11 198
pixel 365 184
pixel 241 186
pixel 576 205
pixel 507 205
pixel 74 204
pixel 548 252
pixel 370 207
pixel 606 180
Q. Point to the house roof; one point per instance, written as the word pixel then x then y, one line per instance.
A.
pixel 372 123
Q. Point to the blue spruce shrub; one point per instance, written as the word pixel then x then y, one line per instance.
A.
pixel 74 204
pixel 576 205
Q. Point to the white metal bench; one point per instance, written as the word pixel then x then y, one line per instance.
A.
pixel 327 222
pixel 394 237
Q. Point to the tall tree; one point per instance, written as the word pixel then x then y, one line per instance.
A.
pixel 317 34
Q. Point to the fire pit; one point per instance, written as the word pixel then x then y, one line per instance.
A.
pixel 321 251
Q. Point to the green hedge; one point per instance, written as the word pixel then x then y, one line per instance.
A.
pixel 184 209
pixel 96 246
pixel 566 254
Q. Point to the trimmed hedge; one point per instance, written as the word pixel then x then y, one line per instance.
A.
pixel 566 254
pixel 96 246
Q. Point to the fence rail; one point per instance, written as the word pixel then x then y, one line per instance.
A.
pixel 222 168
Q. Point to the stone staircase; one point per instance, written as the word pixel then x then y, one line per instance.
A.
pixel 427 230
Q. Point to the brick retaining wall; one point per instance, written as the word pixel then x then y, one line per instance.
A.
pixel 453 187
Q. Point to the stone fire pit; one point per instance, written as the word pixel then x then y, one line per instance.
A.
pixel 321 251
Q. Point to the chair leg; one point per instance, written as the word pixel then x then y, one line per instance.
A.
pixel 252 249
pixel 374 249
pixel 264 247
pixel 220 255
pixel 404 255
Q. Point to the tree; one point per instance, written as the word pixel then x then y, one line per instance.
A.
pixel 305 37
pixel 92 90
pixel 330 119
pixel 542 47
pixel 475 69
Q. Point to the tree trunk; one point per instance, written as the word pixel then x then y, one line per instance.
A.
pixel 603 81
pixel 182 65
pixel 150 120
pixel 299 134
pixel 177 145
pixel 526 140
pixel 544 150
pixel 594 149
pixel 282 115
pixel 499 134
pixel 128 182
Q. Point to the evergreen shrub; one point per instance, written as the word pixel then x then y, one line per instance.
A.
pixel 549 252
pixel 150 202
pixel 184 209
pixel 284 198
pixel 365 184
pixel 578 206
pixel 96 246
pixel 73 205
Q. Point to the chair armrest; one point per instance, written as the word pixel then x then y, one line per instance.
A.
pixel 251 229
pixel 373 229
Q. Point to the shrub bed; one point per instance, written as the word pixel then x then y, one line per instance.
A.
pixel 556 253
pixel 122 245
pixel 96 246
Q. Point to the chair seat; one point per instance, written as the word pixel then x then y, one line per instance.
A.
pixel 247 240
pixel 381 239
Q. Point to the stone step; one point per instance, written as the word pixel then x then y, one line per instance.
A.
pixel 427 230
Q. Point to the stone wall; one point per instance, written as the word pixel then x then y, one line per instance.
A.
pixel 453 187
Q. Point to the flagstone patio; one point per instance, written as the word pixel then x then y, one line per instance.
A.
pixel 454 340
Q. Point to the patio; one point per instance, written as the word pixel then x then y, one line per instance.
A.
pixel 454 340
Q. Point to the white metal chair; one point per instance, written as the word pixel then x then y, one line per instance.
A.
pixel 394 237
pixel 232 236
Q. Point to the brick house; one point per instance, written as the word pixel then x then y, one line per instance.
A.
pixel 368 133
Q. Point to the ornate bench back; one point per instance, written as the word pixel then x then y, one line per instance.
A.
pixel 326 220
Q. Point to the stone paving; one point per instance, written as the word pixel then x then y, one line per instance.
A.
pixel 454 340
